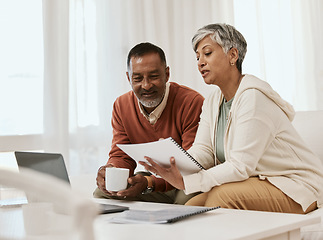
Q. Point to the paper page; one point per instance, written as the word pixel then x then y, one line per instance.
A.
pixel 161 152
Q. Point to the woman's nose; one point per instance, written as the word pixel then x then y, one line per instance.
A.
pixel 201 62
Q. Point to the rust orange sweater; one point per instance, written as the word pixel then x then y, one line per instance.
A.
pixel 179 120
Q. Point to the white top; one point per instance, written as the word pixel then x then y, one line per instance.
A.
pixel 259 141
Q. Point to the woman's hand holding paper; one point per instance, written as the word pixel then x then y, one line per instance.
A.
pixel 170 174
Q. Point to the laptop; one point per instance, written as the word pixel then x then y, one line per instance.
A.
pixel 49 163
pixel 53 164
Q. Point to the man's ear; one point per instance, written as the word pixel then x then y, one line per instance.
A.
pixel 167 73
pixel 127 73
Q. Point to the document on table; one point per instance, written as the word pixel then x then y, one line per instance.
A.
pixel 169 215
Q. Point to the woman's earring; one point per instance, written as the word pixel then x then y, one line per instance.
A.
pixel 232 63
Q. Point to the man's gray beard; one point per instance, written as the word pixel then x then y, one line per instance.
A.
pixel 151 103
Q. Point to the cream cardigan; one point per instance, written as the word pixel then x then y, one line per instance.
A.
pixel 259 141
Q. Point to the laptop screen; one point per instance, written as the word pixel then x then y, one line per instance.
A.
pixel 50 163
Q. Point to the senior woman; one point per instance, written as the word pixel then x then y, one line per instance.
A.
pixel 253 156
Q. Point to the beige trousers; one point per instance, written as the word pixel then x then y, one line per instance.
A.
pixel 251 194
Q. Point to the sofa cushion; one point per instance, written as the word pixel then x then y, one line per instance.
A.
pixel 309 125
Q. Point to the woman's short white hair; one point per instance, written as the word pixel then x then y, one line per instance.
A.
pixel 226 36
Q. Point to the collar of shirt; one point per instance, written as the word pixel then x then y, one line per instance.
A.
pixel 154 115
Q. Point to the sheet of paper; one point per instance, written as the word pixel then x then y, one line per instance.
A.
pixel 161 152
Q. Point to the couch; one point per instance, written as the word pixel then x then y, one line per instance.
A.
pixel 309 125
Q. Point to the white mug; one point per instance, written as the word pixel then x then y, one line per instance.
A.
pixel 116 179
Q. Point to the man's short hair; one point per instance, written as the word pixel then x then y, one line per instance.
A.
pixel 142 49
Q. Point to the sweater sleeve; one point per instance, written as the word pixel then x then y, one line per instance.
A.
pixel 190 120
pixel 203 147
pixel 116 156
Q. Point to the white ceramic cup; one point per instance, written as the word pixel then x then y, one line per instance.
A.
pixel 116 179
pixel 37 217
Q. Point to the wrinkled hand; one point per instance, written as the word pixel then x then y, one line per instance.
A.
pixel 170 174
pixel 137 184
pixel 100 179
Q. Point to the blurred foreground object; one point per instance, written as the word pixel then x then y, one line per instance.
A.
pixel 60 212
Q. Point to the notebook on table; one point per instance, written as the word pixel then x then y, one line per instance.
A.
pixel 170 215
pixel 52 164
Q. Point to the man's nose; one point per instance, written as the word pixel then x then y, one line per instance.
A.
pixel 146 84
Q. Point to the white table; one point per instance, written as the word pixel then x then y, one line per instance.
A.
pixel 218 224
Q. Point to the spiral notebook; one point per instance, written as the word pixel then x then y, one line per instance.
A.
pixel 161 151
pixel 160 216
